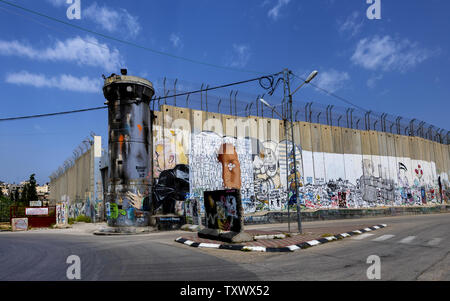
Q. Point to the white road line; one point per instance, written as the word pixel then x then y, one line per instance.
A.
pixel 313 242
pixel 255 248
pixel 293 247
pixel 383 237
pixel 407 240
pixel 206 245
pixel 434 241
pixel 362 236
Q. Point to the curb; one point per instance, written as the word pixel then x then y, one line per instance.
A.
pixel 292 248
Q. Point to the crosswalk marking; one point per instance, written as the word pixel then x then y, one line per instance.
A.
pixel 407 240
pixel 383 237
pixel 434 241
pixel 362 236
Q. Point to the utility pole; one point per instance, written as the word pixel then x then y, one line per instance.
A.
pixel 296 183
pixel 288 96
pixel 285 124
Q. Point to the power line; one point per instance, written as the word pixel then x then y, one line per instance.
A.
pixel 52 114
pixel 124 41
pixel 154 98
pixel 333 94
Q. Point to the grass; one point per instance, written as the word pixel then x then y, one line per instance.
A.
pixel 326 235
pixel 83 218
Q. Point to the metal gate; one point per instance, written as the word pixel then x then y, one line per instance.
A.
pixel 36 215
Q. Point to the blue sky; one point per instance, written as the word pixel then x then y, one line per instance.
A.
pixel 399 64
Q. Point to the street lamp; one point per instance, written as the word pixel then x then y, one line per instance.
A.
pixel 307 81
pixel 286 80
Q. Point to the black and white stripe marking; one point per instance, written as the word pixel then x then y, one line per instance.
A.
pixel 303 245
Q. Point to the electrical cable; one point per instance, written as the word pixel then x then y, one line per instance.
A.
pixel 105 36
pixel 154 98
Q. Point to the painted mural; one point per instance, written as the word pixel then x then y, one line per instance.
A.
pixel 61 213
pixel 265 173
pixel 217 163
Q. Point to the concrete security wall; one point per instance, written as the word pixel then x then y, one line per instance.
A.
pixel 80 186
pixel 337 167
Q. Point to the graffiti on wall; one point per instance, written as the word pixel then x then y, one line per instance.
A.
pixel 267 174
pixel 223 210
pixel 167 151
pixel 218 162
pixel 61 213
pixel 270 169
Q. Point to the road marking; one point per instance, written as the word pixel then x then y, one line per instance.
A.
pixel 362 236
pixel 407 240
pixel 368 229
pixel 345 234
pixel 376 227
pixel 254 248
pixel 434 241
pixel 383 237
pixel 188 242
pixel 293 247
pixel 206 245
pixel 313 242
pixel 357 231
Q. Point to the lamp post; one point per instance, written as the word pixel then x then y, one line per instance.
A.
pixel 287 83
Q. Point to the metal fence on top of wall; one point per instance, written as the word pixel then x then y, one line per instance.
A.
pixel 344 158
pixel 239 103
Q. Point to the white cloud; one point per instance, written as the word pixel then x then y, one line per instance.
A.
pixel 332 80
pixel 274 12
pixel 176 40
pixel 112 20
pixel 351 24
pixel 386 53
pixel 372 81
pixel 86 51
pixel 241 56
pixel 64 82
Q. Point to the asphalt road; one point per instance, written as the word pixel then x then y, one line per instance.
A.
pixel 410 248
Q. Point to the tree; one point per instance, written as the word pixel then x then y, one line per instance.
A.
pixel 32 192
pixel 4 208
pixel 24 194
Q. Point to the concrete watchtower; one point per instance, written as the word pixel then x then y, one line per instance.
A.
pixel 130 148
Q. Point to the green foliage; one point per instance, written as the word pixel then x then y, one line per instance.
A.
pixel 326 235
pixel 83 218
pixel 4 208
pixel 32 192
pixel 71 221
pixel 16 196
pixel 29 192
pixel 24 194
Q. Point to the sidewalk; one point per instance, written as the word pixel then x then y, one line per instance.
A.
pixel 277 240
